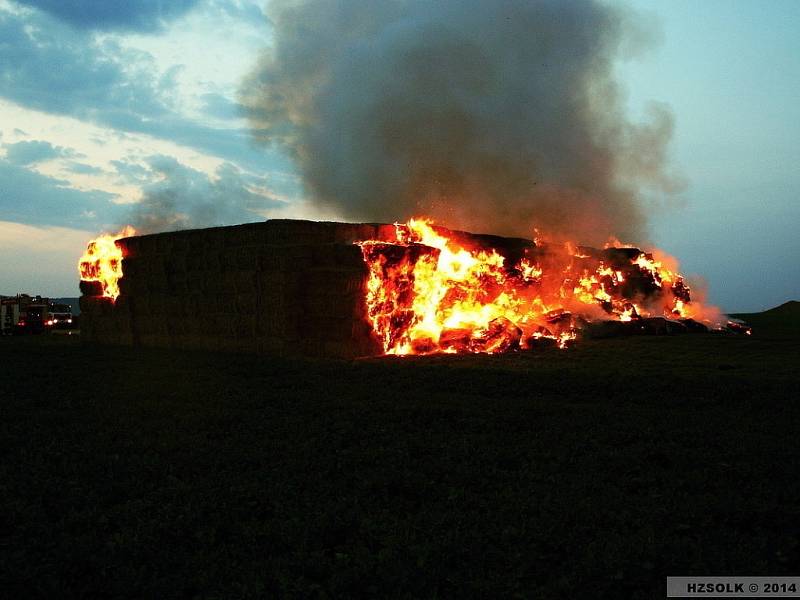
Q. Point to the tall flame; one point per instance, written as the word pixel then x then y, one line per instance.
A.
pixel 102 261
pixel 427 292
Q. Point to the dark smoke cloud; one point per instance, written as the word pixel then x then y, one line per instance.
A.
pixel 488 115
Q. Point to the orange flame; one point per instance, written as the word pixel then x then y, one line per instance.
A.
pixel 427 292
pixel 102 261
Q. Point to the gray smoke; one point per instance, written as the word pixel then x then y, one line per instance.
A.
pixel 175 196
pixel 487 115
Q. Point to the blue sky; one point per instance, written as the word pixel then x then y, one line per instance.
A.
pixel 730 71
pixel 117 109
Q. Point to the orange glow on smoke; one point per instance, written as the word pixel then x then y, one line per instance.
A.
pixel 102 261
pixel 428 292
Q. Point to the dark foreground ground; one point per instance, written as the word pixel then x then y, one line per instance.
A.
pixel 589 473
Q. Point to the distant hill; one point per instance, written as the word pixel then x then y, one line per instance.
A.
pixel 783 319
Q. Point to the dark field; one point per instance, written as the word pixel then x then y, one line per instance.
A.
pixel 588 473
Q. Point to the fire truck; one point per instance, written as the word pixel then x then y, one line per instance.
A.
pixel 26 314
pixel 59 317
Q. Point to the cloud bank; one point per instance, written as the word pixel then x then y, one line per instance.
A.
pixel 34 151
pixel 128 15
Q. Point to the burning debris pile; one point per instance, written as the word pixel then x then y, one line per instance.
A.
pixel 432 290
pixel 335 289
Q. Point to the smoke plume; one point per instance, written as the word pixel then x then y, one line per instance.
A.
pixel 175 196
pixel 487 115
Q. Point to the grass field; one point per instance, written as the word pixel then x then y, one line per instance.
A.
pixel 588 473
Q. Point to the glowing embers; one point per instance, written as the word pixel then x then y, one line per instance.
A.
pixel 431 290
pixel 102 261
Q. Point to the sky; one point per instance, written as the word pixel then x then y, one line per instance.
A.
pixel 114 110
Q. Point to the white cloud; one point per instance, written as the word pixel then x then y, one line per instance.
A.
pixel 99 146
pixel 214 46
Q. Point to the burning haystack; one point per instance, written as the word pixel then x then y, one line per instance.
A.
pixel 345 290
